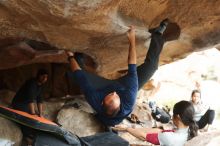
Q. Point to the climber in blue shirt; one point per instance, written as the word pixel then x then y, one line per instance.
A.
pixel 113 100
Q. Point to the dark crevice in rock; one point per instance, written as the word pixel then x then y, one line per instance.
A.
pixel 5 42
pixel 58 85
pixel 16 52
pixel 122 71
pixel 207 40
pixel 37 45
pixel 87 62
pixel 22 57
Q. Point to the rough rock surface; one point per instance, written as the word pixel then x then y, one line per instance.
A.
pixel 36 31
pixel 33 31
pixel 51 109
pixel 57 85
pixel 77 117
pixel 10 131
pixel 6 97
pixel 206 139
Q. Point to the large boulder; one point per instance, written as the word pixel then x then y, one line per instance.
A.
pixel 10 131
pixel 6 97
pixel 78 118
pixel 51 109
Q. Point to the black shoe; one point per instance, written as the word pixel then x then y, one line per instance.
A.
pixel 161 28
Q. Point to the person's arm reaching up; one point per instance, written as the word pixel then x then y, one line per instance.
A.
pixel 73 63
pixel 132 59
pixel 80 78
pixel 79 75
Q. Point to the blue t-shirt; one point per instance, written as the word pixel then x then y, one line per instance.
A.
pixel 126 88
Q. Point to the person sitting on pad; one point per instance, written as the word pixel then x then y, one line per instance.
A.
pixel 29 93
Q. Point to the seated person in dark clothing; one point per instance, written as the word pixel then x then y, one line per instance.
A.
pixel 113 100
pixel 24 100
pixel 29 93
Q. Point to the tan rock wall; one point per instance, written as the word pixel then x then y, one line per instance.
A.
pixel 96 27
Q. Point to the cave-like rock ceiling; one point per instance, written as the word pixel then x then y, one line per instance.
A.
pixel 37 31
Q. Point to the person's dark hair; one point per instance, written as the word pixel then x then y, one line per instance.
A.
pixel 185 110
pixel 41 72
pixel 109 107
pixel 195 91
